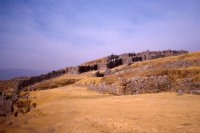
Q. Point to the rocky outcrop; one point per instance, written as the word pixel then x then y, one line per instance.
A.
pixel 14 104
pixel 148 55
pixel 5 104
pixel 22 106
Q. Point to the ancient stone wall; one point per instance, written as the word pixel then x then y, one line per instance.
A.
pixel 148 55
pixel 68 70
pixel 127 58
pixel 40 78
pixel 147 84
pixel 111 62
pixel 152 84
pixel 104 88
pixel 72 70
pixel 87 68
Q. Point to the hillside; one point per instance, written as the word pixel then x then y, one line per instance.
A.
pixel 171 73
pixel 107 100
pixel 164 74
pixel 176 73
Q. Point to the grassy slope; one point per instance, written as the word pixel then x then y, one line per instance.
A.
pixel 190 57
pixel 157 67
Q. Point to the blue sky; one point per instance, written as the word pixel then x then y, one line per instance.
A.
pixel 51 34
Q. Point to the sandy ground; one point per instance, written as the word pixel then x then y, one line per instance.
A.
pixel 77 110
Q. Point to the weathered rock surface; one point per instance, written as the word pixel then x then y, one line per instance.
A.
pixel 135 85
pixel 104 88
pixel 15 103
pixel 15 107
pixel 152 84
pixel 187 85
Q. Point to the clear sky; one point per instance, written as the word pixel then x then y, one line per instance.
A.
pixel 51 34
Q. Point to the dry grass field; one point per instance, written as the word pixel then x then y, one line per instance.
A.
pixel 76 110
